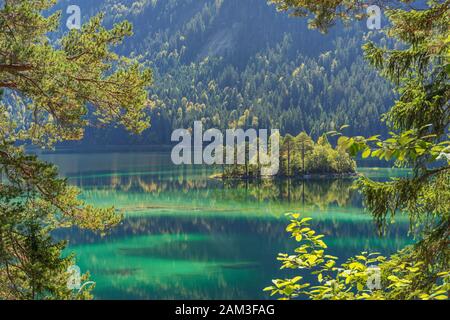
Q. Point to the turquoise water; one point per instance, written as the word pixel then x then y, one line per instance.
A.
pixel 186 236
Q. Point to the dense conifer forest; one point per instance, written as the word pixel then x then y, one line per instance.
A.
pixel 221 62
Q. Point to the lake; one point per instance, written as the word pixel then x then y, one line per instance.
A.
pixel 186 236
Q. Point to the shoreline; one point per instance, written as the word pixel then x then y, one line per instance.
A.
pixel 315 176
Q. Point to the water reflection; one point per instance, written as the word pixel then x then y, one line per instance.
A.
pixel 187 236
pixel 320 193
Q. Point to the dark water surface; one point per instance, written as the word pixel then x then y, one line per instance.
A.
pixel 187 236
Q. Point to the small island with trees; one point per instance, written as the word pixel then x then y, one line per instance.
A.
pixel 300 157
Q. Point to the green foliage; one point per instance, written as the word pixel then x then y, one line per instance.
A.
pixel 300 156
pixel 403 276
pixel 324 13
pixel 59 84
pixel 279 88
pixel 420 121
pixel 217 64
pixel 50 94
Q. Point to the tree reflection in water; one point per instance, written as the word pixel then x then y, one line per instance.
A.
pixel 188 236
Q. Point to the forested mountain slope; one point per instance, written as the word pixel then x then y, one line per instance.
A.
pixel 239 63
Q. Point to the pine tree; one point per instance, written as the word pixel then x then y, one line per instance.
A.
pixel 50 94
pixel 420 119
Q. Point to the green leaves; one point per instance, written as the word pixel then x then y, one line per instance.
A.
pixel 366 153
pixel 52 87
pixel 405 147
pixel 367 276
pixel 324 14
pixel 287 287
pixel 59 82
pixel 300 156
pixel 420 123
